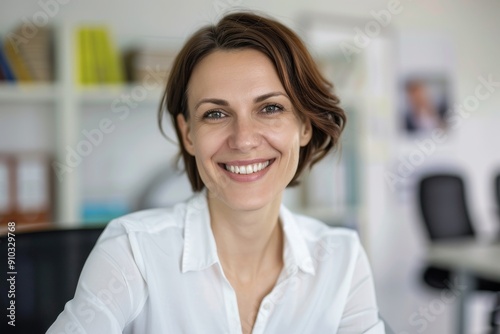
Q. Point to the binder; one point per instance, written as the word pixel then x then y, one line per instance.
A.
pixel 32 188
pixel 6 190
pixel 26 191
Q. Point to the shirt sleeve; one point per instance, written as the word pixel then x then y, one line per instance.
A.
pixel 110 292
pixel 361 313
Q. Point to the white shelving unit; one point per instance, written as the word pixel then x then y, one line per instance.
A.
pixel 365 83
pixel 27 93
pixel 67 102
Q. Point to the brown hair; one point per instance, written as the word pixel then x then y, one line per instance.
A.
pixel 311 94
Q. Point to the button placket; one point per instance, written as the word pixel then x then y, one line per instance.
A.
pixel 262 317
pixel 231 303
pixel 232 309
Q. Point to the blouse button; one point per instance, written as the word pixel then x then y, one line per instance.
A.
pixel 308 264
pixel 266 306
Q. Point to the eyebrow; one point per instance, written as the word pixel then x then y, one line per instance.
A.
pixel 222 102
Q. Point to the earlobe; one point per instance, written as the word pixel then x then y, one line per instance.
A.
pixel 305 133
pixel 185 131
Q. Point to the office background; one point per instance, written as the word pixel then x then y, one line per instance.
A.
pixel 370 49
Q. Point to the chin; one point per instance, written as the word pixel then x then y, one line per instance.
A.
pixel 247 205
pixel 248 200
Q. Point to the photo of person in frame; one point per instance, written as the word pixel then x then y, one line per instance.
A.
pixel 425 103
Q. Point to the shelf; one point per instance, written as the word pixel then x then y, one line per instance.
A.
pixel 47 92
pixel 101 94
pixel 28 93
pixel 105 94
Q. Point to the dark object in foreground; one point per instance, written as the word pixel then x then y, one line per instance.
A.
pixel 48 265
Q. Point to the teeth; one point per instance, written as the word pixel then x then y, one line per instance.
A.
pixel 249 169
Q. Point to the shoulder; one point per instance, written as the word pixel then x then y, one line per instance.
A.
pixel 313 229
pixel 126 239
pixel 323 238
pixel 148 221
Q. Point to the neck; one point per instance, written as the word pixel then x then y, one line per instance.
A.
pixel 249 243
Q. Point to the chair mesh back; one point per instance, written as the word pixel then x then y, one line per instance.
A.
pixel 443 207
pixel 48 266
pixel 497 190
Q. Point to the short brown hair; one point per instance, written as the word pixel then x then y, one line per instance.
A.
pixel 311 94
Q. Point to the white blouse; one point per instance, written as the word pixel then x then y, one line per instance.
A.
pixel 157 271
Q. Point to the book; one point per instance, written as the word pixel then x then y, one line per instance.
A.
pixel 88 75
pixel 37 54
pixel 80 59
pixel 140 62
pixel 27 59
pixel 98 59
pixel 14 58
pixel 100 65
pixel 5 66
pixel 111 58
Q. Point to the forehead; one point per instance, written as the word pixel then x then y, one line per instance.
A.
pixel 233 73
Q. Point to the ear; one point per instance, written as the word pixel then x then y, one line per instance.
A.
pixel 305 132
pixel 186 133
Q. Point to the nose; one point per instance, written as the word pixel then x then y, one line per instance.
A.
pixel 244 134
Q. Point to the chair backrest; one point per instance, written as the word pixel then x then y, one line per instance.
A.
pixel 48 265
pixel 497 190
pixel 444 208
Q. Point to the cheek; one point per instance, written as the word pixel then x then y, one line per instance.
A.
pixel 284 136
pixel 207 143
pixel 204 151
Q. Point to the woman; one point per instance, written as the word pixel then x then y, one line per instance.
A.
pixel 251 111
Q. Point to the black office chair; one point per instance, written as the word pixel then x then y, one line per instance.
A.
pixel 445 215
pixel 496 189
pixel 495 314
pixel 443 207
pixel 48 265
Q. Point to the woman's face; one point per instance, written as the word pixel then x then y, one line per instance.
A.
pixel 242 129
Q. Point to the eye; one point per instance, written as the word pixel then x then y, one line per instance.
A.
pixel 213 114
pixel 272 108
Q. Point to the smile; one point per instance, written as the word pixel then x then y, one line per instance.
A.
pixel 248 169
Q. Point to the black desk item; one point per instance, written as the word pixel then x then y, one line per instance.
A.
pixel 48 265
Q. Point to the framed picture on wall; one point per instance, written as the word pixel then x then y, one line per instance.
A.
pixel 424 102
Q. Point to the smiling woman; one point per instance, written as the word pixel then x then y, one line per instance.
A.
pixel 251 112
pixel 240 116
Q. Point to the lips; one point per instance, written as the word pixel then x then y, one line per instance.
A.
pixel 246 167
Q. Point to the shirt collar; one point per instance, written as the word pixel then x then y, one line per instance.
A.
pixel 200 249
